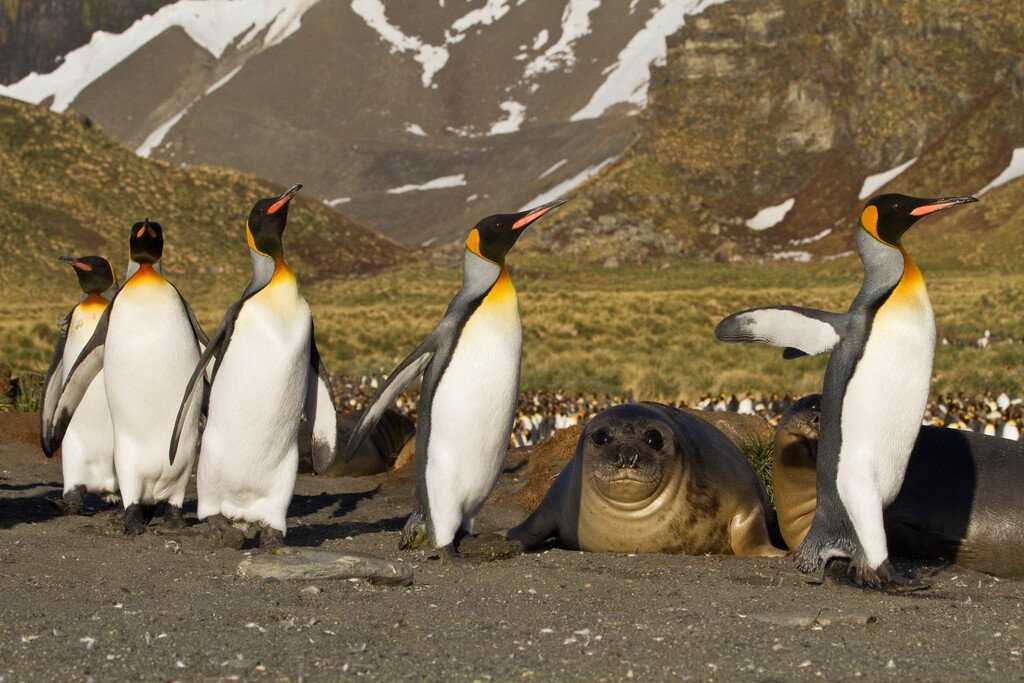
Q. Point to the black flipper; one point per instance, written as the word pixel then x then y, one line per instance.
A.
pixel 408 370
pixel 800 331
pixel 87 366
pixel 194 401
pixel 320 417
pixel 52 387
pixel 197 330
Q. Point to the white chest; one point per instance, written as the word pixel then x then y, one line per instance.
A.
pixel 474 402
pixel 886 397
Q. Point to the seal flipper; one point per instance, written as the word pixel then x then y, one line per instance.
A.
pixel 320 418
pixel 408 370
pixel 52 387
pixel 749 535
pixel 800 331
pixel 87 366
pixel 543 524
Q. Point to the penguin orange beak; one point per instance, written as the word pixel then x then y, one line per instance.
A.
pixel 284 199
pixel 934 205
pixel 75 263
pixel 528 217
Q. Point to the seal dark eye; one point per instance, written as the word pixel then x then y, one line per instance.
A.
pixel 652 437
pixel 600 437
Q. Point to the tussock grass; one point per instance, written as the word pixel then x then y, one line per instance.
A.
pixel 645 330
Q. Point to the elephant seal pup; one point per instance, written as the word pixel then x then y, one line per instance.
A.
pixel 960 500
pixel 647 478
pixel 378 453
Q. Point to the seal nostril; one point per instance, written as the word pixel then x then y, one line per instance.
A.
pixel 632 462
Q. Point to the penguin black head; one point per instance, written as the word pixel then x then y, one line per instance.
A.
pixel 146 242
pixel 95 275
pixel 265 226
pixel 886 217
pixel 494 236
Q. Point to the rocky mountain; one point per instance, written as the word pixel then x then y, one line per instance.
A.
pixel 773 120
pixel 723 128
pixel 415 117
pixel 67 188
pixel 36 34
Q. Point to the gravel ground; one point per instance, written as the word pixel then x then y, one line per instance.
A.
pixel 81 602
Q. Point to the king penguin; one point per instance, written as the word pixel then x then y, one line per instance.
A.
pixel 267 378
pixel 146 344
pixel 87 451
pixel 875 387
pixel 470 389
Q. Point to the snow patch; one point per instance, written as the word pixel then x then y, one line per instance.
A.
pixel 485 16
pixel 222 82
pixel 472 198
pixel 154 139
pixel 211 24
pixel 541 39
pixel 628 79
pixel 873 183
pixel 1012 172
pixel 337 201
pixel 431 57
pixel 435 184
pixel 798 256
pixel 515 114
pixel 567 185
pixel 842 254
pixel 575 25
pixel 808 240
pixel 771 216
pixel 415 129
pixel 554 167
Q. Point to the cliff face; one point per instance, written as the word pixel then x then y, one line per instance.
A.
pixel 36 34
pixel 766 102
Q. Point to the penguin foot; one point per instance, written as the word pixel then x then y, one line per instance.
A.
pixel 173 517
pixel 831 572
pixel 134 521
pixel 414 533
pixel 884 577
pixel 270 538
pixel 72 503
pixel 450 556
pixel 223 534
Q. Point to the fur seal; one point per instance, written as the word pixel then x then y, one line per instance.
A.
pixel 648 478
pixel 960 499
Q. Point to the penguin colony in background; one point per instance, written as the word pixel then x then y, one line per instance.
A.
pixel 136 392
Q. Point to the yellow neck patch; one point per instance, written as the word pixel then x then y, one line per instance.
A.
pixel 501 291
pixel 146 274
pixel 93 302
pixel 473 242
pixel 869 221
pixel 252 242
pixel 282 273
pixel 911 286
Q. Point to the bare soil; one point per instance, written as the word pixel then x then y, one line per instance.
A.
pixel 81 602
